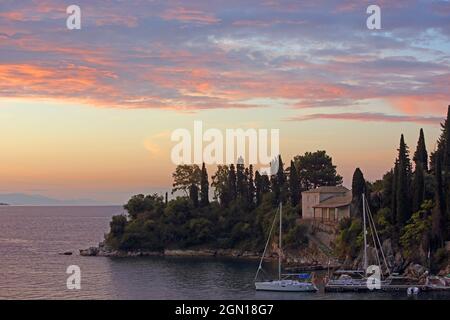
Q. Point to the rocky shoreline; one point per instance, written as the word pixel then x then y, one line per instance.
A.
pixel 292 262
pixel 104 251
pixel 311 260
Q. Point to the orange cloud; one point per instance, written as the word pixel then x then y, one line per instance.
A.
pixel 189 16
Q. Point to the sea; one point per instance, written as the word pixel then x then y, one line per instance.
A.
pixel 33 238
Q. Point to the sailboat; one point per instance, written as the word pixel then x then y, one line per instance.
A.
pixel 355 280
pixel 285 282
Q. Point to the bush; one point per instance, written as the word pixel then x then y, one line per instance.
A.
pixel 296 237
pixel 416 232
pixel 349 240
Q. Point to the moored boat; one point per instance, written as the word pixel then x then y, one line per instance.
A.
pixel 285 282
pixel 437 283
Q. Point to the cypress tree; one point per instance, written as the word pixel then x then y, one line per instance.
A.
pixel 258 188
pixel 240 180
pixel 394 194
pixel 246 188
pixel 403 184
pixel 232 183
pixel 421 154
pixel 440 146
pixel 193 194
pixel 281 181
pixel 275 187
pixel 265 183
pixel 294 185
pixel 438 215
pixel 446 172
pixel 418 187
pixel 204 187
pixel 358 188
pixel 251 187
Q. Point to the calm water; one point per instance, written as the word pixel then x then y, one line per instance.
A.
pixel 31 268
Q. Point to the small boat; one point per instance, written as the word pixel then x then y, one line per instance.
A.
pixel 412 291
pixel 288 285
pixel 285 282
pixel 436 283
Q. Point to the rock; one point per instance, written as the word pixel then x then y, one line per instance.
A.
pixel 398 262
pixel 445 271
pixel 67 253
pixel 189 253
pixel 387 248
pixel 415 271
pixel 90 252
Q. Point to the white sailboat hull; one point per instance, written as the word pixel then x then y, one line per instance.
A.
pixel 285 285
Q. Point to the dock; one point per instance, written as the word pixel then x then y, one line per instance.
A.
pixel 384 288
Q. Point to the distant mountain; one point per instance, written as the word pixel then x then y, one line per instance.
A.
pixel 38 200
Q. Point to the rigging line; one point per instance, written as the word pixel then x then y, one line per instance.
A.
pixel 373 235
pixel 267 243
pixel 379 242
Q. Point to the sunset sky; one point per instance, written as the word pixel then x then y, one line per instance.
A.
pixel 88 113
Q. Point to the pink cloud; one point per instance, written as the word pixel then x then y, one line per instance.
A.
pixel 369 117
pixel 189 16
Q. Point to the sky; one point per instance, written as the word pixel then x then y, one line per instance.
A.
pixel 89 113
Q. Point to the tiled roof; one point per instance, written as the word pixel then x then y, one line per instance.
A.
pixel 328 189
pixel 336 202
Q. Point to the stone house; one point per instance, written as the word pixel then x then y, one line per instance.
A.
pixel 326 204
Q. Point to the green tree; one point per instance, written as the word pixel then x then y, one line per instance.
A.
pixel 251 187
pixel 232 183
pixel 185 176
pixel 403 178
pixel 204 187
pixel 421 154
pixel 281 181
pixel 117 226
pixel 278 183
pixel 220 185
pixel 265 184
pixel 387 191
pixel 294 185
pixel 438 215
pixel 418 187
pixel 446 171
pixel 240 180
pixel 193 195
pixel 394 193
pixel 416 234
pixel 358 188
pixel 316 169
pixel 258 188
pixel 135 205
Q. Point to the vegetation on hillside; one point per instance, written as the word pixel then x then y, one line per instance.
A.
pixel 238 217
pixel 411 204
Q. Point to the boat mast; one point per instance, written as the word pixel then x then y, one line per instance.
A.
pixel 279 245
pixel 364 232
pixel 267 244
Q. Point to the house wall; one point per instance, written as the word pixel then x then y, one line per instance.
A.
pixel 310 199
pixel 344 212
pixel 331 214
